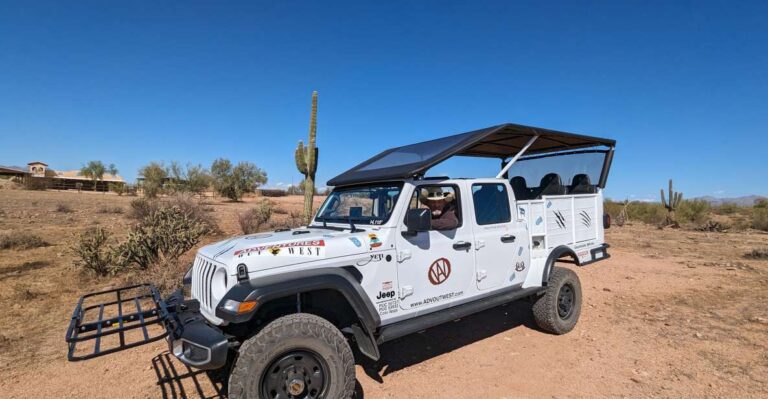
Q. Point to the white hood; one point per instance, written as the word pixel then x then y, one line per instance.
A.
pixel 263 251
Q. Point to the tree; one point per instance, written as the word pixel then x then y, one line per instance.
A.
pixel 154 175
pixel 198 179
pixel 94 170
pixel 112 170
pixel 233 182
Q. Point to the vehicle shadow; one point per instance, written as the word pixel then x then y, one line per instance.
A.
pixel 177 381
pixel 416 348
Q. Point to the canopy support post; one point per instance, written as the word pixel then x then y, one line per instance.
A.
pixel 516 157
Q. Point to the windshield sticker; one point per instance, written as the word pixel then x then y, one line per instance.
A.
pixel 355 241
pixel 439 271
pixel 375 242
pixel 298 248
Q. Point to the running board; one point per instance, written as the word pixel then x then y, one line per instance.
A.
pixel 406 327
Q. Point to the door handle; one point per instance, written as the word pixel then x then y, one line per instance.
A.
pixel 507 238
pixel 462 245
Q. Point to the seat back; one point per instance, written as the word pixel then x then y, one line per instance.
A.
pixel 520 188
pixel 581 185
pixel 551 184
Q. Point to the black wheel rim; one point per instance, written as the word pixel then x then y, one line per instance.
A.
pixel 565 300
pixel 295 375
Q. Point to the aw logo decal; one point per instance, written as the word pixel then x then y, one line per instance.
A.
pixel 519 266
pixel 439 271
pixel 559 219
pixel 585 219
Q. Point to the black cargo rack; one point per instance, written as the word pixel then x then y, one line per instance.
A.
pixel 82 329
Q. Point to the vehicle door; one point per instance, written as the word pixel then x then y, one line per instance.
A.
pixel 501 240
pixel 435 267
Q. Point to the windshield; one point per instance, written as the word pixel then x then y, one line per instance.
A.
pixel 566 165
pixel 371 204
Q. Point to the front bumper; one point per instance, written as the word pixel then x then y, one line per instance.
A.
pixel 191 338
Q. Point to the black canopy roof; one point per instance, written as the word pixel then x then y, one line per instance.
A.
pixel 502 141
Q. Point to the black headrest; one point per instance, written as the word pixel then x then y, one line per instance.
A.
pixel 581 179
pixel 582 185
pixel 520 188
pixel 551 184
pixel 519 181
pixel 550 179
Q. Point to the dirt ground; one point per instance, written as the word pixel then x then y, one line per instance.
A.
pixel 673 314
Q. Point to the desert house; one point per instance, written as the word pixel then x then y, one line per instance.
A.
pixel 39 175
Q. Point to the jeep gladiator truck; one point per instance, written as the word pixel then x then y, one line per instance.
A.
pixel 389 253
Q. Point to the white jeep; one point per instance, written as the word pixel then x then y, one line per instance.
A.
pixel 389 253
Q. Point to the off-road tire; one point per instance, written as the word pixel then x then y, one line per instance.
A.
pixel 295 332
pixel 545 307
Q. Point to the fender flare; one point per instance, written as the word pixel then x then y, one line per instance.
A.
pixel 265 289
pixel 556 254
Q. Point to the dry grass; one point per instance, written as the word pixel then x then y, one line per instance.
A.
pixel 21 240
pixel 758 253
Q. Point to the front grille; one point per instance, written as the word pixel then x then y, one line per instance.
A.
pixel 202 279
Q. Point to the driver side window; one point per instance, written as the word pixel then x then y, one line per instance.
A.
pixel 442 201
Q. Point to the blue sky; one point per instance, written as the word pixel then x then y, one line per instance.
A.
pixel 682 87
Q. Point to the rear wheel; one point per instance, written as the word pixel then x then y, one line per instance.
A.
pixel 299 356
pixel 558 310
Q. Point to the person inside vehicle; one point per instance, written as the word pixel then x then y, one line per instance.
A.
pixel 442 206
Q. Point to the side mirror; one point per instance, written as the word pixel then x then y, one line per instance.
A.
pixel 418 220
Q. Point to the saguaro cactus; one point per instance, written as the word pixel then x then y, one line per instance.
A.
pixel 306 161
pixel 675 198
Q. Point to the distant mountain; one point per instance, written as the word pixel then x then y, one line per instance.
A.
pixel 748 200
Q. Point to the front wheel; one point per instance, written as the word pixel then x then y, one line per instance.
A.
pixel 299 356
pixel 558 310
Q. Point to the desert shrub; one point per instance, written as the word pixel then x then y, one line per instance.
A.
pixel 279 211
pixel 234 181
pixel 727 208
pixel 758 253
pixel 118 189
pixel 760 218
pixel 694 211
pixel 92 251
pixel 63 208
pixel 141 208
pixel 272 192
pixel 253 219
pixel 154 175
pixel 612 208
pixel 20 240
pixel 111 209
pixel 647 212
pixel 163 235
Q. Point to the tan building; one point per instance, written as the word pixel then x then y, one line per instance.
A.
pixel 39 175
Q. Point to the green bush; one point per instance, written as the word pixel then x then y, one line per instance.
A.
pixel 760 218
pixel 163 235
pixel 253 219
pixel 92 251
pixel 694 211
pixel 19 240
pixel 727 208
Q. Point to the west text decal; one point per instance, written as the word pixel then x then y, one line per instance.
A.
pixel 439 271
pixel 297 248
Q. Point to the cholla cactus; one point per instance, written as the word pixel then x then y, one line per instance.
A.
pixel 306 161
pixel 675 198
